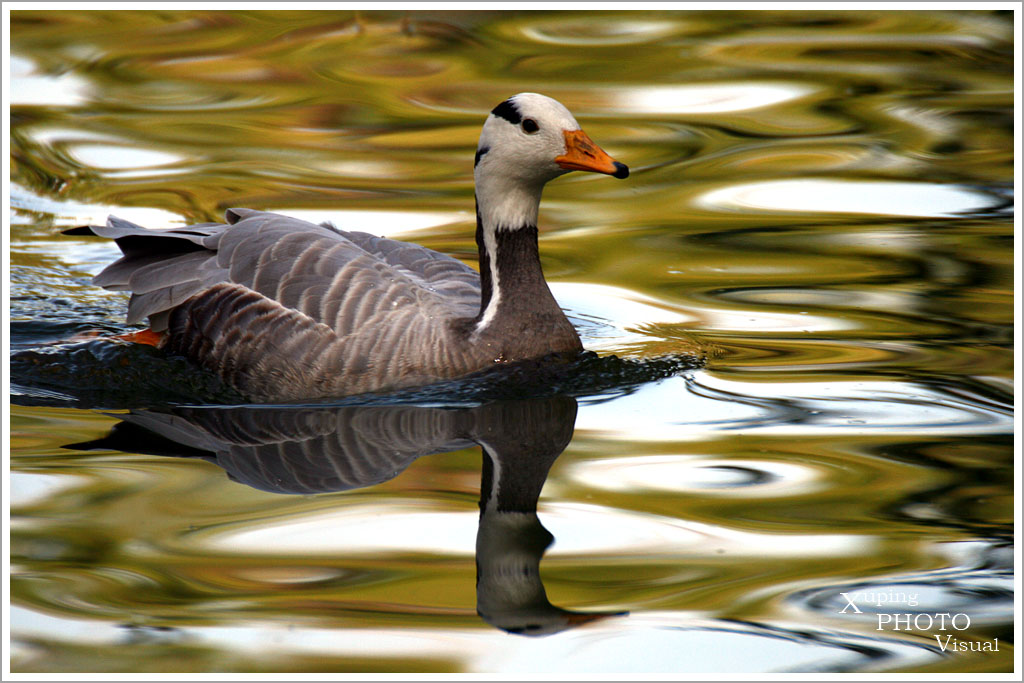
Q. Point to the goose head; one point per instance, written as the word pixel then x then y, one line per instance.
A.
pixel 528 140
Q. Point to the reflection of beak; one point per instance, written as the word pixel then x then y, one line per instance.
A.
pixel 581 154
pixel 580 618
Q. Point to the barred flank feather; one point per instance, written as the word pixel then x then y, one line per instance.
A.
pixel 267 351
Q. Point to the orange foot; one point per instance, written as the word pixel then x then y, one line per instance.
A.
pixel 146 336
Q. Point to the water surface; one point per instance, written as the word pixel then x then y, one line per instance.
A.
pixel 801 300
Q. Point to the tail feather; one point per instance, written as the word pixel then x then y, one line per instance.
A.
pixel 162 268
pixel 145 305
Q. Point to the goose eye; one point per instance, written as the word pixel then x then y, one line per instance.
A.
pixel 530 126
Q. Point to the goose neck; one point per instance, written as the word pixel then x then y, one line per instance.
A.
pixel 518 317
pixel 506 237
pixel 512 281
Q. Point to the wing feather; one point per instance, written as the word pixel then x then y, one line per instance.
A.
pixel 284 308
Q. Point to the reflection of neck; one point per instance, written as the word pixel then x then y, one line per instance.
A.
pixel 514 490
pixel 511 540
pixel 520 441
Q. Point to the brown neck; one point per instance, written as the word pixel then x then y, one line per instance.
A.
pixel 516 305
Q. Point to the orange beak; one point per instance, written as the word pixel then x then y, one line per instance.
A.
pixel 581 154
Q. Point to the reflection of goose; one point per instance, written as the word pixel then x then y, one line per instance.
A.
pixel 322 449
pixel 283 309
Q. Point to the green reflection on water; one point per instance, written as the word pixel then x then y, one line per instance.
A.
pixel 191 112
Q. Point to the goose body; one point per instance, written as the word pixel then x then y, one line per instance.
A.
pixel 283 309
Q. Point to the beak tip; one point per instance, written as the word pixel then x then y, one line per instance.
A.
pixel 621 170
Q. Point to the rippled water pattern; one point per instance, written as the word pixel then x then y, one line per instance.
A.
pixel 818 229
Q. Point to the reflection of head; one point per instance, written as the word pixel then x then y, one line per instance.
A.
pixel 509 592
pixel 307 450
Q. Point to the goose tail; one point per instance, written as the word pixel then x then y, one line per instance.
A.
pixel 161 268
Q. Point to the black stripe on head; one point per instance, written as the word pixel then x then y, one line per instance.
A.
pixel 507 110
pixel 479 153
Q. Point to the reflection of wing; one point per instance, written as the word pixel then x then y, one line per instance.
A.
pixel 345 448
pixel 335 448
pixel 302 450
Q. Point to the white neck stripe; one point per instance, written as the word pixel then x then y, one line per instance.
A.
pixel 491 245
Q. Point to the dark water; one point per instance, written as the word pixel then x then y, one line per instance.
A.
pixel 800 304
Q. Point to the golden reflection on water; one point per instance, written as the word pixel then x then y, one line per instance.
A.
pixel 817 204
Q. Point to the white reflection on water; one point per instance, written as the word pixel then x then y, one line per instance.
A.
pixel 50 135
pixel 30 88
pixel 665 411
pixel 70 213
pixel 582 529
pixel 355 168
pixel 667 642
pixel 611 31
pixel 388 527
pixel 711 98
pixel 381 223
pixel 30 488
pixel 700 475
pixel 118 157
pixel 688 408
pixel 817 196
pixel 724 319
pixel 607 316
pixel 673 642
pixel 27 623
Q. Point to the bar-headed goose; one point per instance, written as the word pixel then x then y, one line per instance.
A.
pixel 283 309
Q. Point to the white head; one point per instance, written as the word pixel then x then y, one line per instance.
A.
pixel 526 141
